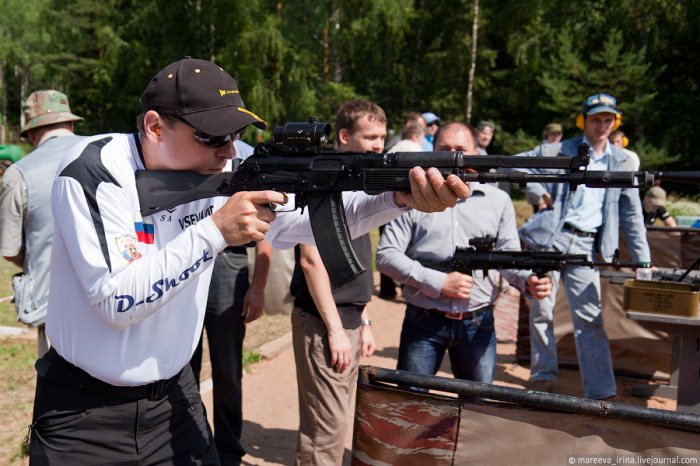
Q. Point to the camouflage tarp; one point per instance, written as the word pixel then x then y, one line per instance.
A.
pixel 397 427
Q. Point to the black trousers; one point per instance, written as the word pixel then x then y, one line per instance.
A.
pixel 74 423
pixel 225 332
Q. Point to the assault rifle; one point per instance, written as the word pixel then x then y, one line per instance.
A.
pixel 297 163
pixel 481 257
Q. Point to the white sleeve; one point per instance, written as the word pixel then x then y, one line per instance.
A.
pixel 363 212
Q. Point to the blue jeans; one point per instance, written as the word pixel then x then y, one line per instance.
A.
pixel 582 286
pixel 471 344
pixel 225 333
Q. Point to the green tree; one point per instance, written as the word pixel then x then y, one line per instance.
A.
pixel 20 39
pixel 571 75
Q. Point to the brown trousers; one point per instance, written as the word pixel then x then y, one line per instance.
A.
pixel 324 395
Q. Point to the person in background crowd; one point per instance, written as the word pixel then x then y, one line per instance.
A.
pixel 582 222
pixel 232 303
pixel 655 207
pixel 484 131
pixel 412 137
pixel 123 331
pixel 552 133
pixel 415 123
pixel 433 122
pixel 410 143
pixel 331 329
pixel 618 139
pixel 449 310
pixel 25 204
pixel 412 117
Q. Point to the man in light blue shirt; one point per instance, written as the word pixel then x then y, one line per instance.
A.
pixel 584 221
pixel 448 310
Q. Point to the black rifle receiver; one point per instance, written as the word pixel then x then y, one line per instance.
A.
pixel 467 260
pixel 297 163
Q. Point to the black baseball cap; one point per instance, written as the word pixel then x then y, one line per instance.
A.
pixel 200 93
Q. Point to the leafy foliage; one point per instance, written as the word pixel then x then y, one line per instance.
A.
pixel 536 61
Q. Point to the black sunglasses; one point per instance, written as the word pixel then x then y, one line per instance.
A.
pixel 215 141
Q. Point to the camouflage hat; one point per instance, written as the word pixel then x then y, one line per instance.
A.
pixel 43 108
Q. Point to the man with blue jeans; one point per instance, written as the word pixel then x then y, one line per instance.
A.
pixel 584 221
pixel 452 311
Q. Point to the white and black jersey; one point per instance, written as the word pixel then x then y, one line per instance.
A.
pixel 127 293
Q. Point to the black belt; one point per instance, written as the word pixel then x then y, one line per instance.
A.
pixel 577 232
pixel 236 249
pixel 471 315
pixel 56 369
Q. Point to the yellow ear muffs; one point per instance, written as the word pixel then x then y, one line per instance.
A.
pixel 625 141
pixel 618 122
pixel 581 121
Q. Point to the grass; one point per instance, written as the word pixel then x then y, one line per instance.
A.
pixel 251 357
pixel 17 377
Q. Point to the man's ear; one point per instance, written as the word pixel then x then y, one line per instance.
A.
pixel 33 138
pixel 343 136
pixel 152 124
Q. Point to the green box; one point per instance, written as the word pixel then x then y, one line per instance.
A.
pixel 661 297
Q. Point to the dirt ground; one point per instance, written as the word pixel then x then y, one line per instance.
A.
pixel 270 390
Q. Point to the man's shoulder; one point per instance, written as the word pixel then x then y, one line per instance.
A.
pixel 11 178
pixel 406 146
pixel 56 146
pixel 113 152
pixel 113 142
pixel 494 195
pixel 570 146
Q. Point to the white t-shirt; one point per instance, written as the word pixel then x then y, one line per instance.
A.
pixel 128 294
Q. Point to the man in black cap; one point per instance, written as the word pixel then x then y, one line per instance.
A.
pixel 128 293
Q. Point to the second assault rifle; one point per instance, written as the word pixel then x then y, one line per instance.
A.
pixel 297 163
pixel 481 257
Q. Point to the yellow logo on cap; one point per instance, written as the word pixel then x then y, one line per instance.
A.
pixel 223 93
pixel 252 114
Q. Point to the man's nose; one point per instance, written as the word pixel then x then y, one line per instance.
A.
pixel 227 151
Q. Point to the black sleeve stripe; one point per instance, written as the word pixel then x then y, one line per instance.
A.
pixel 89 171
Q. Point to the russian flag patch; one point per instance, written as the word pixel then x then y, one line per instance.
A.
pixel 144 232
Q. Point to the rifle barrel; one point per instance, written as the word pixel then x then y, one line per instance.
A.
pixel 679 177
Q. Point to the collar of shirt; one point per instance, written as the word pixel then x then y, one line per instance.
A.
pixel 54 134
pixel 604 156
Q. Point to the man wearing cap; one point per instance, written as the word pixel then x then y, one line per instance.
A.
pixel 585 221
pixel 552 133
pixel 25 204
pixel 433 122
pixel 116 387
pixel 233 302
pixel 655 207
